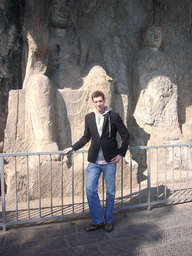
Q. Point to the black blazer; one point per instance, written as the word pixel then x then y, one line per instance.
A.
pixel 112 123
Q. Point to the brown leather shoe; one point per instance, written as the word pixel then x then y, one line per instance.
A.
pixel 93 227
pixel 109 227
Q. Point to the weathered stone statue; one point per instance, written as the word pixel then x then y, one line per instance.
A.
pixel 67 50
pixel 40 125
pixel 155 91
pixel 57 66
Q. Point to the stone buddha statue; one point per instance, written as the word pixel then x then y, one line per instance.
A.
pixel 67 49
pixel 45 71
pixel 155 92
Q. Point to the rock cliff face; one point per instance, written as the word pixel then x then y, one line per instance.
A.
pixel 52 47
pixel 11 41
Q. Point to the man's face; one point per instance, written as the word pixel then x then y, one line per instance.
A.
pixel 99 104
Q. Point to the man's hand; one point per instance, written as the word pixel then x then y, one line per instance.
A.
pixel 67 150
pixel 116 159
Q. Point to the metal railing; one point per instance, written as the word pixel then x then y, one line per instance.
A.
pixel 48 185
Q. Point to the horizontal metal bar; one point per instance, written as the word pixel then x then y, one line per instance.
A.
pixel 85 151
pixel 171 200
pixel 132 206
pixel 46 219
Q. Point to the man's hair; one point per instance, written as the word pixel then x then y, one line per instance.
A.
pixel 98 94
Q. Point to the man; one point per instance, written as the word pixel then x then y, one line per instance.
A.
pixel 101 127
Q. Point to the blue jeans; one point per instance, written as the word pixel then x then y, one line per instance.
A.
pixel 93 174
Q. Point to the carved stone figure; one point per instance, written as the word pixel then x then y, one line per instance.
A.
pixel 155 91
pixel 155 117
pixel 39 96
pixel 52 63
pixel 67 51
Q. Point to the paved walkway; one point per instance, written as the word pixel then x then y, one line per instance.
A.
pixel 162 231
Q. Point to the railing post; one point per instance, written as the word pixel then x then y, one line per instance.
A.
pixel 83 182
pixel 73 196
pixel 149 180
pixel 122 182
pixel 2 191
